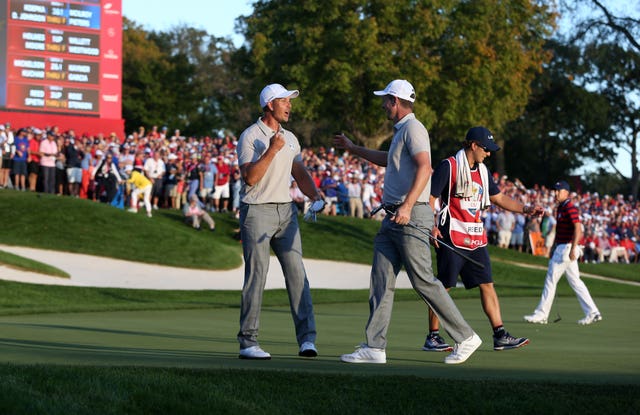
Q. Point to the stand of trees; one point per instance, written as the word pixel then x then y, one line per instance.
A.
pixel 552 102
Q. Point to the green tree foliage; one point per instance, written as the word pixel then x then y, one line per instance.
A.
pixel 183 78
pixel 470 62
pixel 155 82
pixel 563 125
pixel 609 42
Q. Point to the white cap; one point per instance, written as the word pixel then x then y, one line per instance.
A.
pixel 399 88
pixel 274 91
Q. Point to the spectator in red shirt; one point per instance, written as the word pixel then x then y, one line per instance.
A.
pixel 33 162
pixel 590 247
pixel 221 190
pixel 630 248
pixel 617 251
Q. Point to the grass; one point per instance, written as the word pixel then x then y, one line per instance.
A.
pixel 130 362
pixel 76 350
pixel 26 264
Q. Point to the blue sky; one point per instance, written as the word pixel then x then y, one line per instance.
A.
pixel 217 17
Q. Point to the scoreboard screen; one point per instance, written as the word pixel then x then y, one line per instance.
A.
pixel 61 57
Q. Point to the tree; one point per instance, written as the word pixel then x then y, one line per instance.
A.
pixel 183 78
pixel 563 124
pixel 470 62
pixel 217 86
pixel 611 43
pixel 141 60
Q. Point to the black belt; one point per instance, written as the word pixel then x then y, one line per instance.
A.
pixel 393 207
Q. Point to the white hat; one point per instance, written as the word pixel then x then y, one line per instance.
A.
pixel 172 156
pixel 399 88
pixel 274 91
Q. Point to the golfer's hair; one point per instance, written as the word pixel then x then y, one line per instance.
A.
pixel 405 103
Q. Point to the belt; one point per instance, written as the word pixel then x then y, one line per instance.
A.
pixel 392 207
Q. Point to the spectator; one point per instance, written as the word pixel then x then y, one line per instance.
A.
pixel 107 178
pixel 155 169
pixel 221 191
pixel 236 185
pixel 20 156
pixel 489 219
pixel 140 185
pixel 354 189
pixel 73 155
pixel 194 175
pixel 48 151
pixel 7 149
pixel 517 235
pixel 329 188
pixel 33 161
pixel 297 196
pixel 170 182
pixel 195 214
pixel 87 185
pixel 368 197
pixel 61 171
pixel 209 174
pixel 630 247
pixel 603 248
pixel 127 158
pixel 617 251
pixel 505 222
pixel 589 246
pixel 182 188
pixel 548 229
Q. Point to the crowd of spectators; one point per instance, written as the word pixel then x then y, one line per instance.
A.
pixel 185 168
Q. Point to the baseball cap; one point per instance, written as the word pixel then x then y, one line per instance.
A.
pixel 399 88
pixel 482 136
pixel 561 185
pixel 275 91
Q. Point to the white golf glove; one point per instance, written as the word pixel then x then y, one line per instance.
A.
pixel 316 206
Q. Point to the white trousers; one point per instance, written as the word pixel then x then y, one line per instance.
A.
pixel 561 264
pixel 146 197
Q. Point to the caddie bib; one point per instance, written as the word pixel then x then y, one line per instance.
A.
pixel 466 228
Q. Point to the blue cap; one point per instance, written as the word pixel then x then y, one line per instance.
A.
pixel 483 137
pixel 561 185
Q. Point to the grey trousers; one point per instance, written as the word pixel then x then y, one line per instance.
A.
pixel 265 226
pixel 397 245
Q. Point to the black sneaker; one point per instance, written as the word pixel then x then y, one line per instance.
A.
pixel 435 343
pixel 507 341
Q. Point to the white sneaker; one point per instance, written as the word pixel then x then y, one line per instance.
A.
pixel 149 214
pixel 308 349
pixel 254 353
pixel 365 354
pixel 132 210
pixel 462 351
pixel 535 318
pixel 155 207
pixel 591 318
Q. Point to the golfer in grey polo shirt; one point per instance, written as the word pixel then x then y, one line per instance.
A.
pixel 268 155
pixel 407 184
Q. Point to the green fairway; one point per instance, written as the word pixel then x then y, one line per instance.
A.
pixel 563 351
pixel 83 350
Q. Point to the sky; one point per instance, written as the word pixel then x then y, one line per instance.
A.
pixel 217 17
